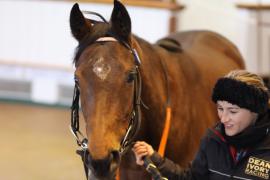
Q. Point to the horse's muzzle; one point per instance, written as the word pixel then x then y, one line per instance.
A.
pixel 104 169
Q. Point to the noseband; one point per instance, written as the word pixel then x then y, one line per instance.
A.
pixel 135 117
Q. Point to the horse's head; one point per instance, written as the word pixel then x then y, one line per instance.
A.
pixel 105 73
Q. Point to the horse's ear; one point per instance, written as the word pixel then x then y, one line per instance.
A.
pixel 78 24
pixel 120 21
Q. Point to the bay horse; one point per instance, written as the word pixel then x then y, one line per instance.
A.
pixel 118 72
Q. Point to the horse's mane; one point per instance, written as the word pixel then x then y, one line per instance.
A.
pixel 98 30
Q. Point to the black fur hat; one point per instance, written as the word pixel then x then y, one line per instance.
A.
pixel 241 94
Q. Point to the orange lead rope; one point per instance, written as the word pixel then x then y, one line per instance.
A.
pixel 165 133
pixel 118 174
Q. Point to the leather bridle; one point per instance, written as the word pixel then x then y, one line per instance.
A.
pixel 135 115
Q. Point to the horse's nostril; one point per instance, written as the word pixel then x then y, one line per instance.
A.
pixel 115 160
pixel 100 167
pixel 103 167
pixel 115 156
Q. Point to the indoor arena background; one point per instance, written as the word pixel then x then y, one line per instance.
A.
pixel 36 71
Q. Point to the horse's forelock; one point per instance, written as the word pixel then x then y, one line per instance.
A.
pixel 98 30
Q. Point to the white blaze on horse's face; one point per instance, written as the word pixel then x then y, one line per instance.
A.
pixel 101 69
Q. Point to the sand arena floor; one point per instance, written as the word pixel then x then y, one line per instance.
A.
pixel 36 144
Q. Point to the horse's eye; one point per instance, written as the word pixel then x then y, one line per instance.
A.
pixel 131 77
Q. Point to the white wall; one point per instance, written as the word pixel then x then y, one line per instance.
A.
pixel 35 37
pixel 38 31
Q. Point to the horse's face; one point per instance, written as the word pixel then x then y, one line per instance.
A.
pixel 104 75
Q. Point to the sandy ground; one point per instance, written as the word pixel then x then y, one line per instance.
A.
pixel 36 144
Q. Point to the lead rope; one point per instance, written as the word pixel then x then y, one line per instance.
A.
pixel 118 174
pixel 165 133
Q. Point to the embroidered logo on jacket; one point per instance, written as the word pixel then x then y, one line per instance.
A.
pixel 258 167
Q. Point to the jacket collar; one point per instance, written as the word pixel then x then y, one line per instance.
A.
pixel 216 135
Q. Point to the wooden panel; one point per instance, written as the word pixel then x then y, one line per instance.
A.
pixel 253 6
pixel 171 5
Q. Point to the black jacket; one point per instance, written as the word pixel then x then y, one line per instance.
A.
pixel 214 161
